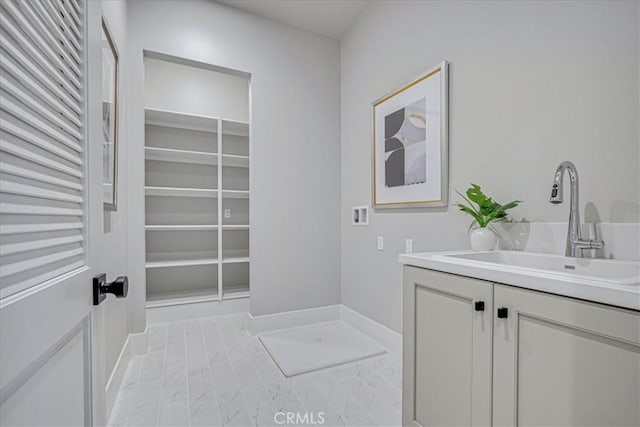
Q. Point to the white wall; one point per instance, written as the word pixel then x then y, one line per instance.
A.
pixel 295 174
pixel 188 89
pixel 531 84
pixel 115 222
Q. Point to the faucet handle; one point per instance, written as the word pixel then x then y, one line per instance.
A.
pixel 588 244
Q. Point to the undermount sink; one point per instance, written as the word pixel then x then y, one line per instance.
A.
pixel 626 273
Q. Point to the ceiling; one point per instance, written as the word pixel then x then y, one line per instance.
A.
pixel 331 18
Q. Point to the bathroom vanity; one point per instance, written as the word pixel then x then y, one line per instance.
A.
pixel 520 342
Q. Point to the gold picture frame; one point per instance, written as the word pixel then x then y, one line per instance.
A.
pixel 410 143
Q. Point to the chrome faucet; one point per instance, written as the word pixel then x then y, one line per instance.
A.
pixel 575 243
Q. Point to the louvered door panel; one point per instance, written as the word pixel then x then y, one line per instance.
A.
pixel 41 141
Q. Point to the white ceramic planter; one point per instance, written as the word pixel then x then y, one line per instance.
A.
pixel 483 239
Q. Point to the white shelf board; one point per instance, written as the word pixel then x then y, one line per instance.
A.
pixel 235 294
pixel 235 260
pixel 235 227
pixel 234 161
pixel 174 119
pixel 181 263
pixel 181 227
pixel 235 194
pixel 233 127
pixel 181 156
pixel 181 297
pixel 181 192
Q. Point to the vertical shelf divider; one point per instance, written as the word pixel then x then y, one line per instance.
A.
pixel 220 213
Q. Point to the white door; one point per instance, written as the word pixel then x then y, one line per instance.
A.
pixel 564 362
pixel 51 345
pixel 446 350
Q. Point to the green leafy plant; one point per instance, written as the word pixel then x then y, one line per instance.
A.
pixel 484 210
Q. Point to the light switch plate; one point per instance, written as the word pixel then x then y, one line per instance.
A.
pixel 408 246
pixel 227 213
pixel 380 243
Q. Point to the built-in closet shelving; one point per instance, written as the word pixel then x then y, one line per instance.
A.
pixel 197 208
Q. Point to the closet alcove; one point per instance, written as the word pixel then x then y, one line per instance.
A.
pixel 197 195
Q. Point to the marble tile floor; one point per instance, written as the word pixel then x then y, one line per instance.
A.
pixel 211 372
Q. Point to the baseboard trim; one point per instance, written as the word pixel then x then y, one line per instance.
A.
pixel 389 338
pixel 290 319
pixel 173 313
pixel 138 342
pixel 134 344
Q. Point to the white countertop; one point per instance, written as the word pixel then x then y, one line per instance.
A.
pixel 627 296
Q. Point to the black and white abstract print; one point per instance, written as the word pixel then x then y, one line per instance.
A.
pixel 405 133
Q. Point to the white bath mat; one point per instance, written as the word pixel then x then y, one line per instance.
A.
pixel 309 348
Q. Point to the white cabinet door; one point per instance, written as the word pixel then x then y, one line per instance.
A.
pixel 564 362
pixel 447 349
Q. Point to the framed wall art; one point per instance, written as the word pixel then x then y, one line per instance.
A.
pixel 410 143
pixel 109 118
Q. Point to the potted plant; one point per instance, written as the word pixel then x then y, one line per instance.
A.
pixel 484 211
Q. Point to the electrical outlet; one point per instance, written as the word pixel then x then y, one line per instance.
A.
pixel 227 213
pixel 408 246
pixel 380 243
